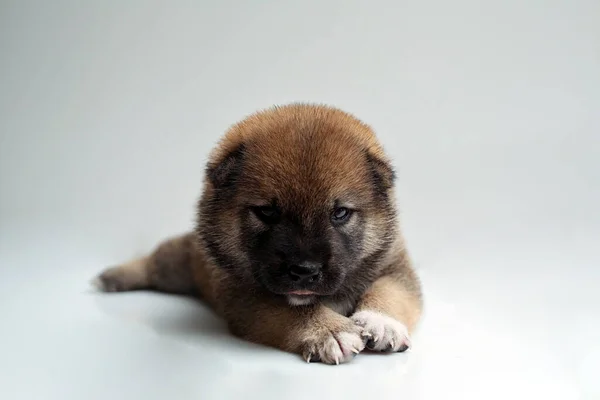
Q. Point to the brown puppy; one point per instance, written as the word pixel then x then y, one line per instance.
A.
pixel 297 244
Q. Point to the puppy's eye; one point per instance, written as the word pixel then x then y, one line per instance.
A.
pixel 267 214
pixel 340 215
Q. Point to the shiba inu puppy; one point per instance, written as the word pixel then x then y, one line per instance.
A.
pixel 297 243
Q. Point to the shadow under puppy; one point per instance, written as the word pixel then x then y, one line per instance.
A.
pixel 297 244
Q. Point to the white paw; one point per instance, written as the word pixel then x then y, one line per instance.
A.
pixel 383 333
pixel 333 348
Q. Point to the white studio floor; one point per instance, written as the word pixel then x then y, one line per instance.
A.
pixel 490 111
pixel 511 333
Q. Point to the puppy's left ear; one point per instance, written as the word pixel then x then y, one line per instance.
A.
pixel 382 174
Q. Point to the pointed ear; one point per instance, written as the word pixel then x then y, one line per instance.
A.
pixel 225 173
pixel 382 174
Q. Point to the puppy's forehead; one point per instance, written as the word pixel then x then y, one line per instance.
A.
pixel 302 154
pixel 305 167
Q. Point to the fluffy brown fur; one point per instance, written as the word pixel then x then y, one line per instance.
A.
pixel 297 244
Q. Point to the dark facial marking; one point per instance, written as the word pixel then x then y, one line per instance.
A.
pixel 288 255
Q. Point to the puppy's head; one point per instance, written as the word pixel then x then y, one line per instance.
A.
pixel 298 199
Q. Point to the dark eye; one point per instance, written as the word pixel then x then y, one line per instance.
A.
pixel 340 214
pixel 267 214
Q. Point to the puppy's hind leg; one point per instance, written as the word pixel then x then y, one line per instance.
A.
pixel 168 269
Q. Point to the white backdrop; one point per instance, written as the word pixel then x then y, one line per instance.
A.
pixel 490 110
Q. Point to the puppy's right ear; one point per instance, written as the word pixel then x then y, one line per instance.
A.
pixel 225 173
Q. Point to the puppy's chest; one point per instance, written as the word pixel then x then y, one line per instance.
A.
pixel 344 307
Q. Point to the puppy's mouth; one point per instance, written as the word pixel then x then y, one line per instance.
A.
pixel 301 297
pixel 301 293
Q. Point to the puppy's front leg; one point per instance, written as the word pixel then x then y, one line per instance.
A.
pixel 389 311
pixel 315 332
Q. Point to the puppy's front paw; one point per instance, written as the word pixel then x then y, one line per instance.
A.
pixel 333 347
pixel 382 332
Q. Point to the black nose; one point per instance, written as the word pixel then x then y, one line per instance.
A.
pixel 306 272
